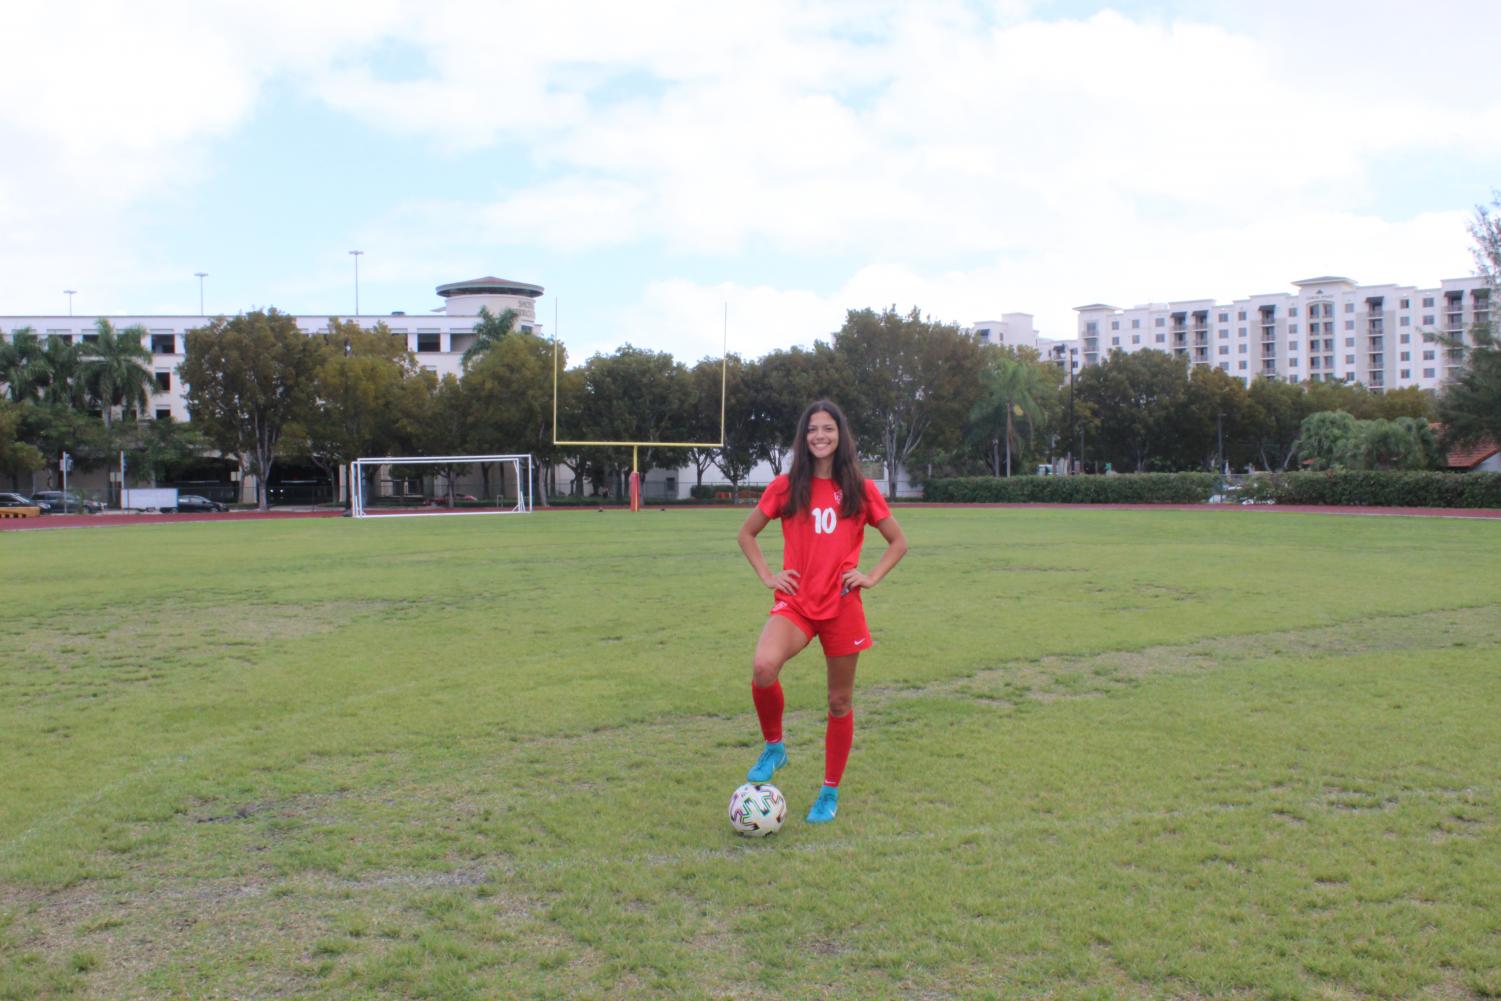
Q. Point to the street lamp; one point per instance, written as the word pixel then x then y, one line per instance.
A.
pixel 1219 428
pixel 70 293
pixel 356 255
pixel 200 275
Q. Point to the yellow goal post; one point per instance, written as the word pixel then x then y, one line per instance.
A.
pixel 636 446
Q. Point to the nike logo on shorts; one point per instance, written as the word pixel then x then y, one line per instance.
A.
pixel 858 642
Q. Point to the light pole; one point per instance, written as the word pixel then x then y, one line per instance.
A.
pixel 70 293
pixel 356 255
pixel 1219 429
pixel 200 275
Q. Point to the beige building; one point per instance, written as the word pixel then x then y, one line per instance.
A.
pixel 1330 329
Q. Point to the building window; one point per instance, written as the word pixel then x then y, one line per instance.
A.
pixel 1428 356
pixel 163 344
pixel 1292 363
pixel 1428 320
pixel 427 343
pixel 1224 317
pixel 164 413
pixel 1243 366
pixel 1292 345
pixel 1349 342
pixel 164 382
pixel 1292 311
pixel 1406 303
pixel 1405 338
pixel 1292 328
pixel 1427 301
pixel 1161 338
pixel 1313 362
pixel 1349 359
pixel 1405 321
pixel 1136 324
pixel 1224 349
pixel 1242 331
pixel 526 328
pixel 1406 373
pixel 1115 324
pixel 1405 356
pixel 1349 324
pixel 1243 348
pixel 1135 338
pixel 1428 373
pixel 1241 315
pixel 1091 328
pixel 1349 307
pixel 1224 366
pixel 1115 342
pixel 1160 321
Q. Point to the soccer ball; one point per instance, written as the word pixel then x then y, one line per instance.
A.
pixel 757 810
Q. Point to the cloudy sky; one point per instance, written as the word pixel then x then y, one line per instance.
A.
pixel 649 162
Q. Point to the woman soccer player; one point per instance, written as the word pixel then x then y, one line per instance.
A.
pixel 824 504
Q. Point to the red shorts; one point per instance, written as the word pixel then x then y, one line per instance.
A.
pixel 844 634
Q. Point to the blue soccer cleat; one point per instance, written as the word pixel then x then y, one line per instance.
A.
pixel 773 756
pixel 825 806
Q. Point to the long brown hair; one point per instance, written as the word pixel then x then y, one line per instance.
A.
pixel 846 471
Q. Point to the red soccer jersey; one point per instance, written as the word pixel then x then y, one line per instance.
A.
pixel 821 544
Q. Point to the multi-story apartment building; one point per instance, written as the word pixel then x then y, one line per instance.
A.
pixel 1012 330
pixel 437 337
pixel 1330 329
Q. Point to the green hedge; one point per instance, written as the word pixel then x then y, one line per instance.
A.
pixel 1338 488
pixel 1127 488
pixel 1377 488
pixel 725 493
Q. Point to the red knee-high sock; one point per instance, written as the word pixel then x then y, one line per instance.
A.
pixel 769 710
pixel 836 747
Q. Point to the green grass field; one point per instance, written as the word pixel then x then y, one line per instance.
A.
pixel 1098 754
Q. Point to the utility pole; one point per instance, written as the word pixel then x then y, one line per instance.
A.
pixel 356 255
pixel 1219 425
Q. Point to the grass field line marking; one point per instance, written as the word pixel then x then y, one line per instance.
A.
pixel 1243 647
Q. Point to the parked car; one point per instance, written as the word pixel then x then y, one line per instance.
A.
pixel 66 501
pixel 17 500
pixel 187 503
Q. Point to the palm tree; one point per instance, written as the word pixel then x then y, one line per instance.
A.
pixel 22 365
pixel 115 373
pixel 489 331
pixel 1013 389
pixel 63 361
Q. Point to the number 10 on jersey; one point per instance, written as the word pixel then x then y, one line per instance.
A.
pixel 823 520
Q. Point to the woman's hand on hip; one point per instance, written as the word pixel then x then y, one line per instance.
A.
pixel 783 580
pixel 854 578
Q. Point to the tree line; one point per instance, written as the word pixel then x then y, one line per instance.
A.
pixel 923 396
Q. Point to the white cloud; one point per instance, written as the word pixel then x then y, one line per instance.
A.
pixel 956 155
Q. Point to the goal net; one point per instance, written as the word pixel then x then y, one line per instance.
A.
pixel 403 486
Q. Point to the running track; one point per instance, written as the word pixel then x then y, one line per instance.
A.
pixel 107 520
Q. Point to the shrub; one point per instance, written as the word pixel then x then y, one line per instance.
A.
pixel 1130 488
pixel 1341 488
pixel 1378 488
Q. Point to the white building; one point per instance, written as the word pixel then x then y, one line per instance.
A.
pixel 438 337
pixel 1012 330
pixel 1330 329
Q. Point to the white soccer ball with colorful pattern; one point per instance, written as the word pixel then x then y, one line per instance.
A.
pixel 757 810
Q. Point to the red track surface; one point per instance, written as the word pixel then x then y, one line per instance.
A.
pixel 107 520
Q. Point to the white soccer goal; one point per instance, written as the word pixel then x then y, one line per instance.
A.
pixel 465 484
